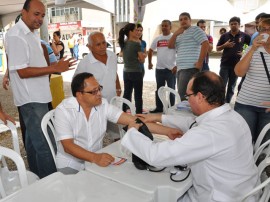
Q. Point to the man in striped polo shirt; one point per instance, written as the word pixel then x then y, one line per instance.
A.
pixel 191 45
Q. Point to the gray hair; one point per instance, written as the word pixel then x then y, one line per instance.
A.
pixel 90 37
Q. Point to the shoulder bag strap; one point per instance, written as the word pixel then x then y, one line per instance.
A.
pixel 265 67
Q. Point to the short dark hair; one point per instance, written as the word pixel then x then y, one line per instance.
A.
pixel 259 16
pixel 200 21
pixel 211 86
pixel 265 16
pixel 77 84
pixel 185 14
pixel 167 21
pixel 57 33
pixel 235 19
pixel 26 5
pixel 222 30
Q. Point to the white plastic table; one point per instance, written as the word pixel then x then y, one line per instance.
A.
pixel 157 184
pixel 82 187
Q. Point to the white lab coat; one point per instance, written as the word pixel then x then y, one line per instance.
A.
pixel 218 150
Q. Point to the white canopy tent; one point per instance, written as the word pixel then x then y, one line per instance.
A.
pixel 9 9
pixel 216 10
pixel 250 17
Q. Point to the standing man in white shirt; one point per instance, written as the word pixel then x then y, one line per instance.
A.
pixel 102 63
pixel 29 80
pixel 165 67
pixel 216 145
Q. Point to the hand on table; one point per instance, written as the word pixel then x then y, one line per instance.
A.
pixel 103 159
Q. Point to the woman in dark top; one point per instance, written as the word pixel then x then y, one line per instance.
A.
pixel 133 57
pixel 57 45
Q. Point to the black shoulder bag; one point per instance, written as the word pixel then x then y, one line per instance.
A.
pixel 265 67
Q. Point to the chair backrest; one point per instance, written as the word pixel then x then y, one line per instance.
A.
pixel 164 96
pixel 48 121
pixel 15 139
pixel 262 152
pixel 4 172
pixel 119 101
pixel 261 136
pixel 264 187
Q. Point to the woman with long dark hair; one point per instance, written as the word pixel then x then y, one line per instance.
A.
pixel 133 57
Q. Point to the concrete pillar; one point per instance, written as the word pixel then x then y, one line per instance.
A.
pixel 44 35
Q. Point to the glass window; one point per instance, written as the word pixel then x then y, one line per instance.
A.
pixel 53 12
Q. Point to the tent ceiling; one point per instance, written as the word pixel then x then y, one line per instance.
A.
pixel 12 6
pixel 250 17
pixel 217 10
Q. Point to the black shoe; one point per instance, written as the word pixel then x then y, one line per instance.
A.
pixel 156 111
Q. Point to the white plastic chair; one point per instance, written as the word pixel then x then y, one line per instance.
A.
pixel 164 96
pixel 264 187
pixel 118 102
pixel 262 148
pixel 12 181
pixel 261 136
pixel 48 120
pixel 15 139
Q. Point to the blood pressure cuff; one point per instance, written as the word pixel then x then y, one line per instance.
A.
pixel 139 163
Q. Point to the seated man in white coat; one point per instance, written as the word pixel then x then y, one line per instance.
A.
pixel 81 122
pixel 217 148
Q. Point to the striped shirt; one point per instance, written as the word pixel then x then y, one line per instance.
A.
pixel 255 88
pixel 188 47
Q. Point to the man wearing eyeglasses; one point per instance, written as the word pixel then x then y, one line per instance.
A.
pixel 102 63
pixel 81 122
pixel 216 145
pixel 232 44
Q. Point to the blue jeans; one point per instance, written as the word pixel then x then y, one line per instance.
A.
pixel 256 118
pixel 39 155
pixel 76 51
pixel 133 80
pixel 164 76
pixel 183 77
pixel 228 76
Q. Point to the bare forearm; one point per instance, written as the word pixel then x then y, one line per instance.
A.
pixel 204 51
pixel 221 47
pixel 35 71
pixel 78 152
pixel 150 54
pixel 171 43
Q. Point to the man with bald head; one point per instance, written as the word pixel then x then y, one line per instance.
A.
pixel 102 63
pixel 216 145
pixel 29 78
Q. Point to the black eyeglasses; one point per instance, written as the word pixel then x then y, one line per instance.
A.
pixel 264 30
pixel 187 95
pixel 94 92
